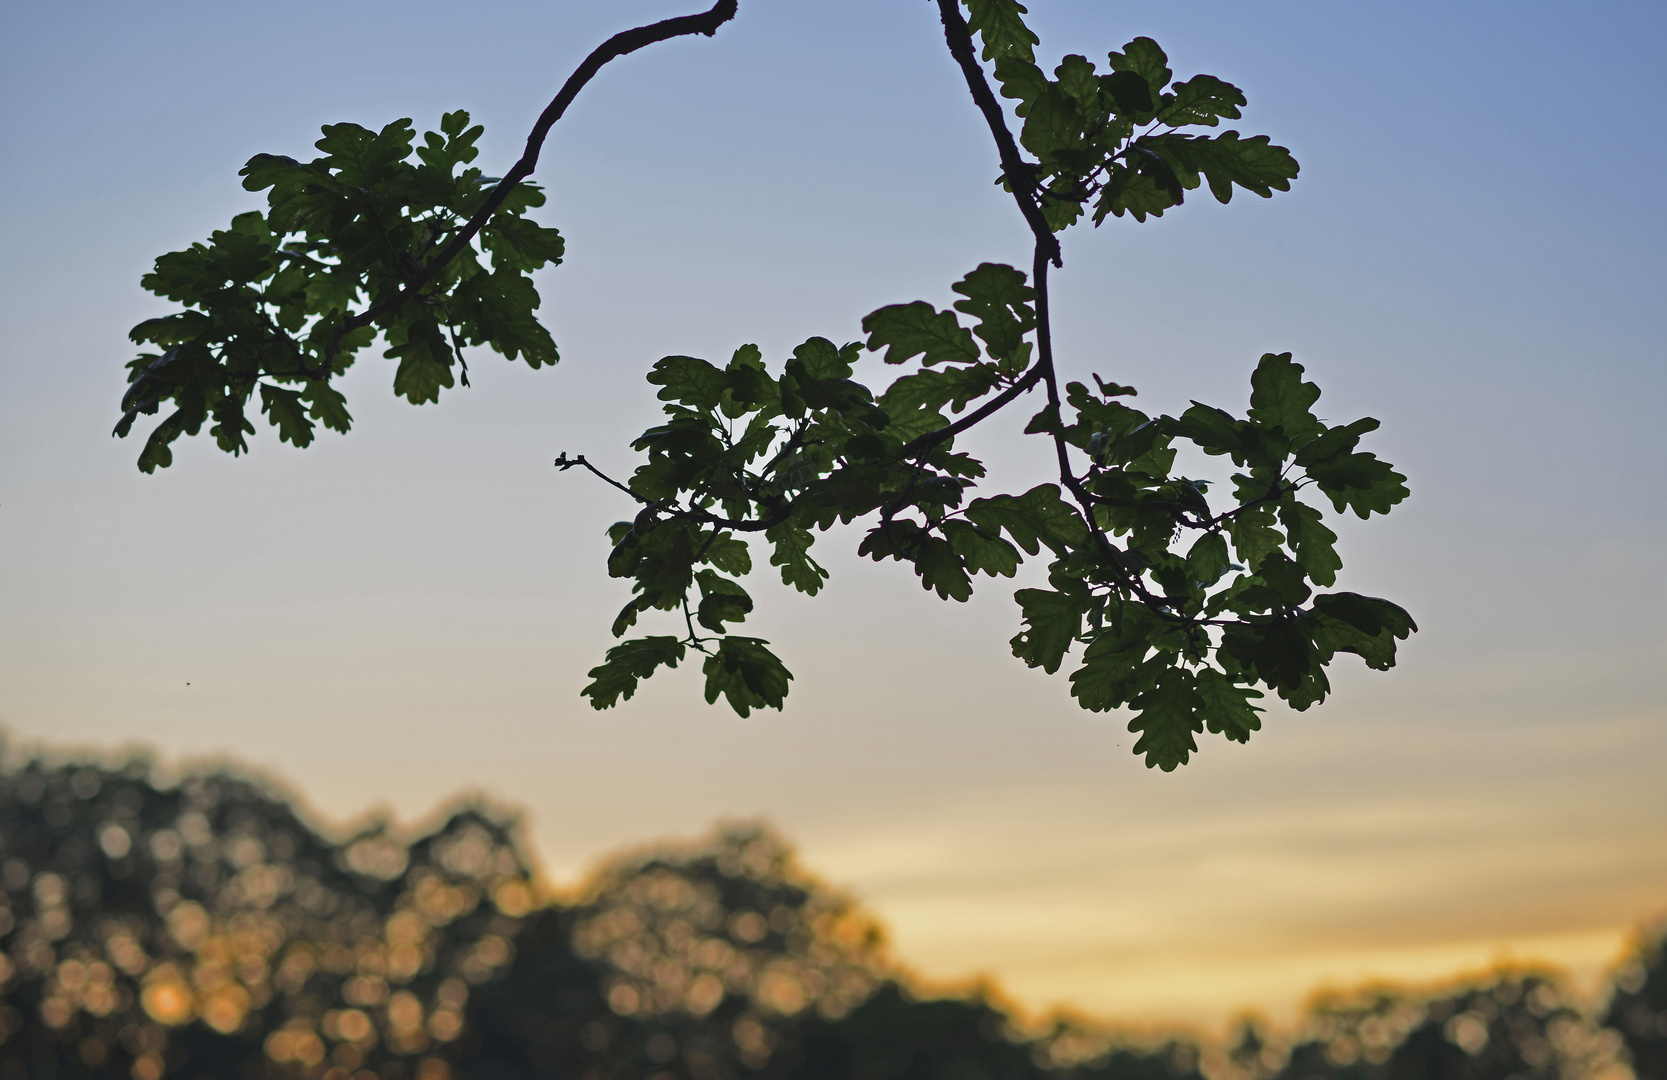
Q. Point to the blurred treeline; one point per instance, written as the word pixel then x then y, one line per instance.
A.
pixel 202 928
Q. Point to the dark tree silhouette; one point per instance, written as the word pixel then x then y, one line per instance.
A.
pixel 1519 1026
pixel 205 929
pixel 1638 1008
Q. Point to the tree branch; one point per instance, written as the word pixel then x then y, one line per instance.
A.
pixel 564 463
pixel 1020 173
pixel 974 418
pixel 627 41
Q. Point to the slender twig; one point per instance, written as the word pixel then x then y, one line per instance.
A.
pixel 696 513
pixel 564 463
pixel 972 419
pixel 628 41
pixel 706 517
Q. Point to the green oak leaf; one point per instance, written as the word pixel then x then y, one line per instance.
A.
pixel 627 664
pixel 999 298
pixel 906 331
pixel 1279 399
pixel 1021 80
pixel 1227 709
pixel 746 674
pixel 1001 24
pixel 1284 577
pixel 1203 100
pixel 689 380
pixel 1039 516
pixel 1253 534
pixel 1143 57
pixel 721 601
pixel 1359 482
pixel 791 554
pixel 1167 716
pixel 728 553
pixel 1311 541
pixel 1279 653
pixel 934 388
pixel 1363 625
pixel 822 359
pixel 326 405
pixel 1114 666
pixel 286 413
pixel 1052 621
pixel 1226 160
pixel 1207 561
pixel 981 552
pixel 1140 192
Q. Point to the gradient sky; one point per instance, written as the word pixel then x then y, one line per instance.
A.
pixel 1474 253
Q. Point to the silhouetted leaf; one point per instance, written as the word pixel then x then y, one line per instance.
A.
pixel 747 674
pixel 1202 99
pixel 1166 717
pixel 1227 707
pixel 1037 516
pixel 1001 24
pixel 627 664
pixel 1053 620
pixel 906 331
pixel 1279 399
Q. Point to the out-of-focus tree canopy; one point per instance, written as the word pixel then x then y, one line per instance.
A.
pixel 203 928
pixel 1638 1009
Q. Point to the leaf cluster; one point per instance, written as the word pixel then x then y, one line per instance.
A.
pixel 268 303
pixel 789 455
pixel 1180 610
pixel 1181 604
pixel 1122 141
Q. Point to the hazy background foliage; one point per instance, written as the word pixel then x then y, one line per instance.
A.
pixel 202 927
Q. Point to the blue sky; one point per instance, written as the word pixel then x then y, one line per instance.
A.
pixel 1474 254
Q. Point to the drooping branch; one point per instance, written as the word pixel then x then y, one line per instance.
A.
pixel 621 44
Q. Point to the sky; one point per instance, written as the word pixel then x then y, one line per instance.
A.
pixel 1474 253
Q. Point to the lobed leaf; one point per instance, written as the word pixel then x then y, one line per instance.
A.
pixel 1001 24
pixel 1203 100
pixel 283 408
pixel 1167 715
pixel 1227 708
pixel 906 331
pixel 1144 58
pixel 791 554
pixel 627 664
pixel 1280 400
pixel 746 674
pixel 1039 516
pixel 1052 621
pixel 981 552
pixel 999 298
pixel 1311 541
